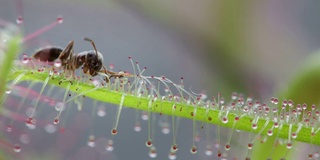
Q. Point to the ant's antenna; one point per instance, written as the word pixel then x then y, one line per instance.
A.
pixel 92 42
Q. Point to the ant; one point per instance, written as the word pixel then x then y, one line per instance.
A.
pixel 90 60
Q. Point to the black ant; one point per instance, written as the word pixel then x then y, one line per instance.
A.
pixel 90 60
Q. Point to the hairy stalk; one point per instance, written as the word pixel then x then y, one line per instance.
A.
pixel 165 107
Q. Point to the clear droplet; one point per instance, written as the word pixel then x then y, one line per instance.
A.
pixel 8 91
pixel 50 128
pixel 165 129
pixel 144 116
pixel 91 141
pixel 152 152
pixel 172 156
pixel 208 151
pixel 24 138
pixel 289 145
pixel 58 106
pixel 250 145
pixel 101 112
pixel 137 127
pixel 109 146
pixel 57 63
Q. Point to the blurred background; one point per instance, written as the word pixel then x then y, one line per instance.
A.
pixel 251 47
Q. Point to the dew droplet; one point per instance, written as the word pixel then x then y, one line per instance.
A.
pixel 193 150
pixel 250 145
pixel 165 128
pixel 91 141
pixel 289 145
pixel 208 150
pixel 269 132
pixel 137 127
pixel 56 121
pixel 144 116
pixel 30 121
pixel 174 148
pixel 101 112
pixel 254 126
pixel 114 131
pixel 246 109
pixel 24 138
pixel 149 143
pixel 19 20
pixel 25 59
pixel 60 19
pixel 153 152
pixel 17 148
pixel 224 120
pixel 172 156
pixel 234 96
pixel 8 91
pixel 50 128
pixel 294 135
pixel 57 63
pixel 109 146
pixel 310 156
pixel 227 147
pixel 276 101
pixel 9 128
pixel 58 106
pixel 219 154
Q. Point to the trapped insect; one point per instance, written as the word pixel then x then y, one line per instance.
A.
pixel 92 60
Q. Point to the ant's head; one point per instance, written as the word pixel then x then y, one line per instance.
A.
pixel 94 61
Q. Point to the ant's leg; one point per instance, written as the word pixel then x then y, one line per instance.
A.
pixel 85 69
pixel 116 74
pixel 66 53
pixel 105 71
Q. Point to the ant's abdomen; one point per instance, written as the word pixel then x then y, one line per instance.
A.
pixel 47 54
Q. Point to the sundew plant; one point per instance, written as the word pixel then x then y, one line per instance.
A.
pixel 49 112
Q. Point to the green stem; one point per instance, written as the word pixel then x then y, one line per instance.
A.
pixel 165 107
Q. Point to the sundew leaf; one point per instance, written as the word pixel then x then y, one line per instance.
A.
pixel 303 89
pixel 184 110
